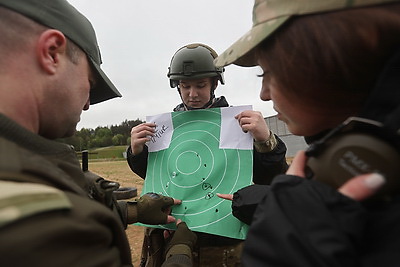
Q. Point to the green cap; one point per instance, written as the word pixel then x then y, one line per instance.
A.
pixel 269 15
pixel 60 15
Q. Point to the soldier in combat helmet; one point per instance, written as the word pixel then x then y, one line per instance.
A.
pixel 193 73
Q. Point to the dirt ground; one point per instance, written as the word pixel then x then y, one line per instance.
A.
pixel 119 171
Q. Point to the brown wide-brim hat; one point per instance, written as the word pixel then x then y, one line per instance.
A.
pixel 60 15
pixel 269 15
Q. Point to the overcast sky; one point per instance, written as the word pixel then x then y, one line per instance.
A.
pixel 137 40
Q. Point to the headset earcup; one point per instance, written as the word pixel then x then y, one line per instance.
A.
pixel 347 155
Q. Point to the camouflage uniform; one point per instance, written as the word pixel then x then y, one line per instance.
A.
pixel 48 216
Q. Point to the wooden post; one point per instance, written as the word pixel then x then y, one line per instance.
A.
pixel 85 160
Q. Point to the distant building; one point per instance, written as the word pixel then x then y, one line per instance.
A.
pixel 293 143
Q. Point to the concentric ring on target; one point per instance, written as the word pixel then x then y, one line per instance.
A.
pixel 181 168
pixel 174 173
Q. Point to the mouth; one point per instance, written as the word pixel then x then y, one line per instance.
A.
pixel 278 115
pixel 194 102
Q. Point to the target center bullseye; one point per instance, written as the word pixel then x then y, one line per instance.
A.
pixel 188 162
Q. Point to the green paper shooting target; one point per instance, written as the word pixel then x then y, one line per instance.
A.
pixel 193 156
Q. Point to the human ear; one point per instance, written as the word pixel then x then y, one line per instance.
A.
pixel 50 45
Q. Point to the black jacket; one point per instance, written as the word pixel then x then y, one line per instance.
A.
pixel 300 222
pixel 265 165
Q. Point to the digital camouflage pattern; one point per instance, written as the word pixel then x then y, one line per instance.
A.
pixel 269 15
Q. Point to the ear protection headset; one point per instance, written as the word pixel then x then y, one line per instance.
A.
pixel 356 147
pixel 365 144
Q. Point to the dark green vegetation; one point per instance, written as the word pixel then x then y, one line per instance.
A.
pixel 114 135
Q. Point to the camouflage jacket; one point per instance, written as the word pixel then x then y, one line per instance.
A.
pixel 48 214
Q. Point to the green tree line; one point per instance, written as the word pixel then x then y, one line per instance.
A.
pixel 114 135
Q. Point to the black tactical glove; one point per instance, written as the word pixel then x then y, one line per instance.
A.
pixel 149 209
pixel 182 242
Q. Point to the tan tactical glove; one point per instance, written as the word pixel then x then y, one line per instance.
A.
pixel 182 242
pixel 150 209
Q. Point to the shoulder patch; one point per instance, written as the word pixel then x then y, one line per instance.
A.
pixel 20 200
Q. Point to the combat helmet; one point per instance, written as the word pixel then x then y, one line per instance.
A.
pixel 194 61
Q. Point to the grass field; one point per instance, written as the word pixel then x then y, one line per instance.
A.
pixel 119 171
pixel 108 153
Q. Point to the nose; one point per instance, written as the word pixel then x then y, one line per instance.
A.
pixel 87 105
pixel 192 92
pixel 265 93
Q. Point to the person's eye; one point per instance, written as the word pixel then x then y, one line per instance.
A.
pixel 201 85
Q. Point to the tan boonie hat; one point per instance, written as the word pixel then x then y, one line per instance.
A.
pixel 268 15
pixel 60 15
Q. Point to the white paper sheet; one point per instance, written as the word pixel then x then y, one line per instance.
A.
pixel 164 130
pixel 232 135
